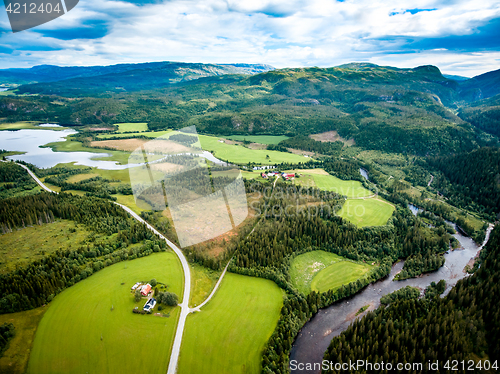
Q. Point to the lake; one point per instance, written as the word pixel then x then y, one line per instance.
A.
pixel 29 141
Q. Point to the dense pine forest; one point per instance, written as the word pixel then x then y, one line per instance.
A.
pixel 463 326
pixel 471 180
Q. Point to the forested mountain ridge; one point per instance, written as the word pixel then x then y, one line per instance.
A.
pixel 181 70
pixel 382 108
pixel 481 86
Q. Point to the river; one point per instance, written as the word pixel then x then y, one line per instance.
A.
pixel 315 337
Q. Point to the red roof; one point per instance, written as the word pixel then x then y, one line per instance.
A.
pixel 145 290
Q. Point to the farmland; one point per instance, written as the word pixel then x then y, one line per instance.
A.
pixel 367 212
pixel 242 155
pixel 95 316
pixel 306 266
pixel 128 127
pixel 337 274
pixel 324 181
pixel 228 335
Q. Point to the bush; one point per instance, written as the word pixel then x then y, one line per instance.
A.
pixel 168 298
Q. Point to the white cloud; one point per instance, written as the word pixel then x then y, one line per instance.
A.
pixel 281 33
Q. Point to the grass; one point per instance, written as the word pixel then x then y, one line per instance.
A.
pixel 241 155
pixel 139 127
pixel 19 125
pixel 24 246
pixel 15 358
pixel 305 266
pixel 321 179
pixel 367 212
pixel 229 334
pixel 202 282
pixel 334 276
pixel 81 333
pixel 261 139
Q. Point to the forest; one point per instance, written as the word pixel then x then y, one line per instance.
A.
pixel 471 180
pixel 463 326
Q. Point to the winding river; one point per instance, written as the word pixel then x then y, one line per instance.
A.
pixel 315 337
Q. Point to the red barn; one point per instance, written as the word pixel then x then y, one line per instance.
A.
pixel 145 289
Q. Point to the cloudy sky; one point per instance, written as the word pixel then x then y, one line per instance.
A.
pixel 460 37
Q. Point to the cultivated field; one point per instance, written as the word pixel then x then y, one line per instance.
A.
pixel 23 246
pixel 334 276
pixel 90 326
pixel 324 181
pixel 242 155
pixel 129 145
pixel 229 334
pixel 305 266
pixel 367 212
pixel 261 139
pixel 127 127
pixel 149 134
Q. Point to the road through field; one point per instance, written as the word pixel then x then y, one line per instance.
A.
pixel 174 357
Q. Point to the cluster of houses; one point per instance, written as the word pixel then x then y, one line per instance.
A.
pixel 285 176
pixel 145 291
pixel 145 288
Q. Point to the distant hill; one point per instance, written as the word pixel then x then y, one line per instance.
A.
pixel 481 87
pixel 113 74
pixel 457 78
pixel 384 108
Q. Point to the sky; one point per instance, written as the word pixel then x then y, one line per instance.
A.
pixel 459 37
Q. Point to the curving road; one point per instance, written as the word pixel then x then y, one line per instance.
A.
pixel 174 357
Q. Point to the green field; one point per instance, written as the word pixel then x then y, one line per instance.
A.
pixel 229 334
pixel 15 358
pixel 24 125
pixel 203 281
pixel 324 181
pixel 127 127
pixel 336 275
pixel 305 266
pixel 262 139
pixel 241 155
pixel 90 326
pixel 367 212
pixel 23 246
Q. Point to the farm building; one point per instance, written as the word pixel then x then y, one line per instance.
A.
pixel 145 289
pixel 136 285
pixel 150 304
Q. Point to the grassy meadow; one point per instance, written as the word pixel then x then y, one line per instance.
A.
pixel 306 266
pixel 337 274
pixel 203 281
pixel 128 127
pixel 367 212
pixel 229 334
pixel 321 179
pixel 241 155
pixel 90 326
pixel 15 358
pixel 23 246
